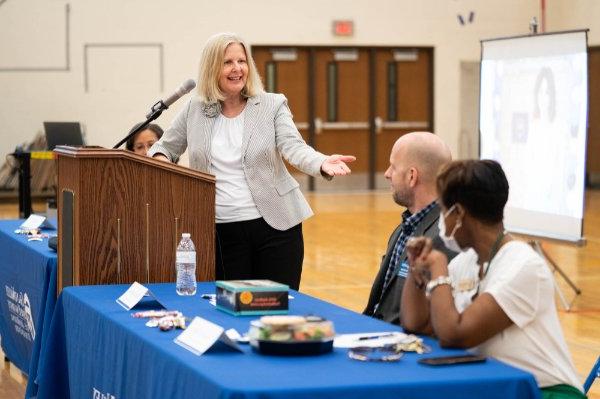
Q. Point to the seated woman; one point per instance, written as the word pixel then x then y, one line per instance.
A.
pixel 497 295
pixel 141 142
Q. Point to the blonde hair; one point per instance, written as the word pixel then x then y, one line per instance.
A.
pixel 211 65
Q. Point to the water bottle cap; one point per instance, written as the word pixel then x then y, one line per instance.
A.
pixel 186 235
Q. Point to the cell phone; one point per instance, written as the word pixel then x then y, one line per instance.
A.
pixel 448 360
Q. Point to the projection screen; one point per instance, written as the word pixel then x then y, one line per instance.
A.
pixel 533 120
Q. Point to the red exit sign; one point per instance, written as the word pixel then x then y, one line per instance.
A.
pixel 343 28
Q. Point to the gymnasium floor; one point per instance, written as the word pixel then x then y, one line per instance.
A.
pixel 344 243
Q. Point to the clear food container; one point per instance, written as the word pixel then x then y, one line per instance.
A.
pixel 291 335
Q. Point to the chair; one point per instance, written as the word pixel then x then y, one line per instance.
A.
pixel 594 373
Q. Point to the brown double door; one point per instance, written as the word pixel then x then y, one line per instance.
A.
pixel 351 101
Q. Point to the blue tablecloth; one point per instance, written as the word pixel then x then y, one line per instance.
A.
pixel 28 295
pixel 96 348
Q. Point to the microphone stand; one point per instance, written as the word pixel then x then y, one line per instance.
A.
pixel 154 113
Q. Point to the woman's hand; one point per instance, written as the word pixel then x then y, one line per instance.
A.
pixel 425 262
pixel 161 157
pixel 335 165
pixel 417 249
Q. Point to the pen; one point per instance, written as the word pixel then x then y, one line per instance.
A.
pixel 376 336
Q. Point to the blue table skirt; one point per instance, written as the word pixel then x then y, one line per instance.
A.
pixel 96 347
pixel 28 295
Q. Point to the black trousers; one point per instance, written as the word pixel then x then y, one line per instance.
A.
pixel 254 250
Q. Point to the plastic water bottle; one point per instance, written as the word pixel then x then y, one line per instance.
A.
pixel 185 264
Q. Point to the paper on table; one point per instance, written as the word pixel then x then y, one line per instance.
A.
pixel 201 334
pixel 233 334
pixel 36 221
pixel 371 339
pixel 134 295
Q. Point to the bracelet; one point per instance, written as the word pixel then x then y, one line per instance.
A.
pixel 433 284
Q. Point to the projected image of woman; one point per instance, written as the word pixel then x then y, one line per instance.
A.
pixel 547 174
pixel 545 96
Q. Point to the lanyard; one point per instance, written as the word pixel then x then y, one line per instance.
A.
pixel 493 252
pixel 486 265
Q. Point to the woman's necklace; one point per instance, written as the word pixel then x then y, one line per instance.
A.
pixel 486 265
pixel 493 252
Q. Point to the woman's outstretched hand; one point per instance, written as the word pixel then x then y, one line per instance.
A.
pixel 335 165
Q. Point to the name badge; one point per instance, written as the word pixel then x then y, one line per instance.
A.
pixel 403 270
pixel 466 284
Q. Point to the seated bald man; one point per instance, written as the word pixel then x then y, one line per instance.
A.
pixel 414 163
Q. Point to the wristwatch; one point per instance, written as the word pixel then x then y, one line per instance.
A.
pixel 432 284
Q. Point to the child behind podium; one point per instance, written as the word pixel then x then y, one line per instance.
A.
pixel 141 142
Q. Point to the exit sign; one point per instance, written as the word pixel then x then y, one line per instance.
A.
pixel 343 28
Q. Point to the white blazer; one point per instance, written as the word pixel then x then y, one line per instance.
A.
pixel 269 134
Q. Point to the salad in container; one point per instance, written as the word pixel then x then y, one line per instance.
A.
pixel 291 335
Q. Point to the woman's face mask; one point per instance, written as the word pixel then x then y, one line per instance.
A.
pixel 450 242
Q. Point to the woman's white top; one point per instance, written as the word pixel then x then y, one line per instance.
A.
pixel 521 283
pixel 234 202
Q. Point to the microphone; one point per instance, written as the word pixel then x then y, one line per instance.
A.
pixel 185 88
pixel 159 107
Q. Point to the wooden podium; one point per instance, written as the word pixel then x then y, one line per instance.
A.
pixel 121 215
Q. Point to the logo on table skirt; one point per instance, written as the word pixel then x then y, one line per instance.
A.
pixel 96 394
pixel 19 308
